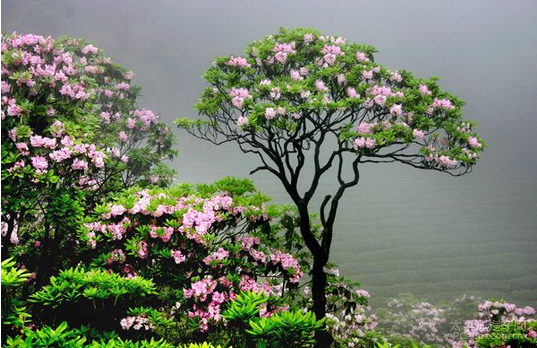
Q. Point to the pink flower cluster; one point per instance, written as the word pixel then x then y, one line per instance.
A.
pixel 239 95
pixel 379 95
pixel 218 255
pixel 331 52
pixel 137 323
pixel 287 262
pixel 164 233
pixel 441 160
pixel 281 52
pixel 238 61
pixel 496 313
pixel 147 117
pixel 367 143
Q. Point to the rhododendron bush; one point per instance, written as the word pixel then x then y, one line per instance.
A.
pixel 299 99
pixel 71 133
pixel 200 245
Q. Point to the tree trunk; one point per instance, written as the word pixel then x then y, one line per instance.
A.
pixel 323 338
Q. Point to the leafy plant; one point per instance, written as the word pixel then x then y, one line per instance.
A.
pixel 64 337
pixel 201 345
pixel 95 285
pixel 285 329
pixel 14 310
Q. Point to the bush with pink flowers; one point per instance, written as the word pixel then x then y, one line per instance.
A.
pixel 71 134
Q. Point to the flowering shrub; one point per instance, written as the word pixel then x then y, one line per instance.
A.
pixel 501 324
pixel 71 132
pixel 349 320
pixel 201 246
pixel 414 320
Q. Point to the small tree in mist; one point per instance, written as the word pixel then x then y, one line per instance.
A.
pixel 299 98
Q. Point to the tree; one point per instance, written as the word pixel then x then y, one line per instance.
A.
pixel 71 133
pixel 301 100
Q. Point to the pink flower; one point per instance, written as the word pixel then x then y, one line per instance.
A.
pixel 320 86
pixel 395 76
pixel 143 252
pixel 295 75
pixel 5 87
pixel 178 257
pixel 146 116
pixel 331 53
pixel 238 61
pixel 270 113
pixel 79 164
pixel 361 57
pixel 361 142
pixel 242 121
pixel 122 136
pixel 396 110
pixel 89 49
pixel 123 86
pixel 443 104
pixel 12 134
pixel 445 161
pixel 419 134
pixel 220 254
pixel 367 74
pixel 340 79
pixel 60 155
pixel 39 163
pixel 117 209
pixel 23 148
pixel 14 110
pixel 275 93
pixel 363 293
pixel 424 90
pixel 351 92
pixel 282 50
pixel 131 123
pixel 308 38
pixel 239 95
pixel 366 127
pixel 473 142
pixel 370 143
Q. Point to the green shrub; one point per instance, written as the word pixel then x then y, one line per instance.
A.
pixel 63 336
pixel 286 329
pixel 13 309
pixel 95 285
pixel 93 297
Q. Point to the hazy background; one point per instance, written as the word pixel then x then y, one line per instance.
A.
pixel 401 229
